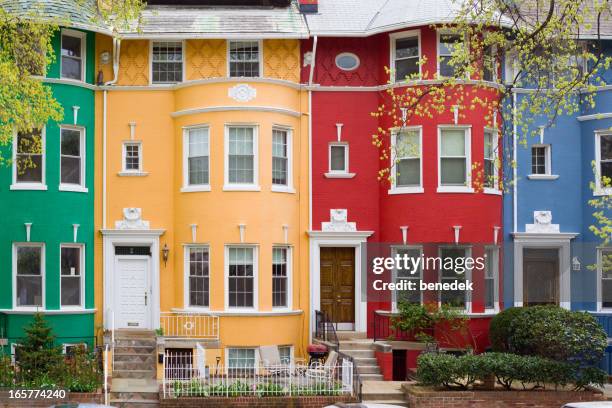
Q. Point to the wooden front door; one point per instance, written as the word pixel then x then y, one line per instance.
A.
pixel 540 277
pixel 338 284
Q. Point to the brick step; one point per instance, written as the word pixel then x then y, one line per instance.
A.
pixel 136 357
pixel 135 349
pixel 136 374
pixel 129 342
pixel 135 365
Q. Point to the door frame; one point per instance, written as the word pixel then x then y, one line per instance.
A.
pixel 114 238
pixel 148 285
pixel 560 241
pixel 355 240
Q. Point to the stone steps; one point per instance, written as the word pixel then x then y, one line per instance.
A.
pixel 383 392
pixel 371 377
pixel 359 353
pixel 135 365
pixel 138 374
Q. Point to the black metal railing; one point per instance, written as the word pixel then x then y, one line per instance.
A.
pixel 384 329
pixel 324 329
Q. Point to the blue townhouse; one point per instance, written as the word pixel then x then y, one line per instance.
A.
pixel 551 255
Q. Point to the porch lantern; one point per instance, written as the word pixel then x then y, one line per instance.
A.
pixel 575 264
pixel 165 253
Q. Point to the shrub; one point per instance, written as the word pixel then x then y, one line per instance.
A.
pixel 445 370
pixel 551 332
pixel 82 372
pixel 422 319
pixel 38 356
pixel 7 371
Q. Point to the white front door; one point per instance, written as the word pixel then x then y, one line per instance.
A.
pixel 132 297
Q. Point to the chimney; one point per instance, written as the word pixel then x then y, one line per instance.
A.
pixel 309 6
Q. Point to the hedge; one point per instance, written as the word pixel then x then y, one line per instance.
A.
pixel 446 370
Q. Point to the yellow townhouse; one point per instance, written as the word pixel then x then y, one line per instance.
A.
pixel 202 173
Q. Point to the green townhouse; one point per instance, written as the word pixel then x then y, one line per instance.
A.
pixel 47 210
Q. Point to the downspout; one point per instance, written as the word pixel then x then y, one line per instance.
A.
pixel 116 51
pixel 312 68
pixel 515 166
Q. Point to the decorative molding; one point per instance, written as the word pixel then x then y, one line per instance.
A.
pixel 75 114
pixel 404 229
pixel 194 231
pixel 596 116
pixel 75 232
pixel 242 93
pixel 338 222
pixel 195 111
pixel 28 227
pixel 132 220
pixel 542 223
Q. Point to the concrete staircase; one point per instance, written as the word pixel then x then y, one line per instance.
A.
pixel 134 383
pixel 358 346
pixel 384 392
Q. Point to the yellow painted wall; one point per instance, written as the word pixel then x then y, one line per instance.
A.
pixel 282 59
pixel 134 62
pixel 205 59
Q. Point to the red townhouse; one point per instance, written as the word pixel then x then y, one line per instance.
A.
pixel 432 206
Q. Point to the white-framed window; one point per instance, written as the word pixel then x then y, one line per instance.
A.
pixel 511 66
pixel 282 159
pixel 604 284
pixel 489 63
pixel 197 276
pixel 540 159
pixel 286 354
pixel 603 163
pixel 491 277
pixel 72 276
pixel 454 298
pixel 241 360
pixel 196 158
pixel 490 162
pixel 73 54
pixel 454 159
pixel 244 58
pixel 415 276
pixel 241 158
pixel 29 275
pixel 241 272
pixel 447 44
pixel 69 349
pixel 338 161
pixel 166 62
pixel 132 157
pixel 405 55
pixel 406 163
pixel 281 277
pixel 347 61
pixel 29 160
pixel 72 159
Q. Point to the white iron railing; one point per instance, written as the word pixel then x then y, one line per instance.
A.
pixel 106 357
pixel 193 325
pixel 189 376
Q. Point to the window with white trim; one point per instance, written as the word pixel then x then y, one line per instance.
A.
pixel 407 162
pixel 72 64
pixel 489 63
pixel 72 156
pixel 71 275
pixel 454 166
pixel 447 44
pixel 29 157
pixel 196 158
pixel 490 278
pixel 241 360
pixel 540 159
pixel 457 256
pixel 28 269
pixel 241 155
pixel 280 277
pixel 242 272
pixel 132 157
pixel 286 354
pixel 280 157
pixel 244 59
pixel 338 158
pixel 407 275
pixel 605 274
pixel 603 159
pixel 406 56
pixel 70 349
pixel 167 62
pixel 490 159
pixel 198 270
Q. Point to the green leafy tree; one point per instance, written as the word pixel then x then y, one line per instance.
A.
pixel 38 354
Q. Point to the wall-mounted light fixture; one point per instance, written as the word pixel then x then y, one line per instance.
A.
pixel 165 253
pixel 105 57
pixel 575 264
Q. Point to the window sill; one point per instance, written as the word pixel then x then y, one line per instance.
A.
pixel 283 189
pixel 241 187
pixel 339 175
pixel 133 173
pixel 542 176
pixel 602 192
pixel 406 190
pixel 492 191
pixel 28 186
pixel 74 189
pixel 454 189
pixel 195 189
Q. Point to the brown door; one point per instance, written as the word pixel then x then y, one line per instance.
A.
pixel 338 284
pixel 540 277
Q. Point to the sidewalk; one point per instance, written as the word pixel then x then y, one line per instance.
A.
pixel 608 391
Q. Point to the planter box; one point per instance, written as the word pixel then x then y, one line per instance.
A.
pixel 71 397
pixel 264 402
pixel 421 397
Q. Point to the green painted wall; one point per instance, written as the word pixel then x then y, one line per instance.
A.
pixel 53 212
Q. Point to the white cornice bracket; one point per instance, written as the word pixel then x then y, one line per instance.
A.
pixel 339 131
pixel 132 126
pixel 242 228
pixel 28 227
pixel 75 232
pixel 194 232
pixel 404 229
pixel 75 114
pixel 457 229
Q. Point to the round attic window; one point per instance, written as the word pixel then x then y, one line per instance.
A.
pixel 347 61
